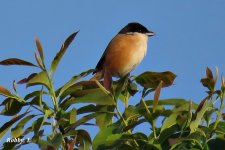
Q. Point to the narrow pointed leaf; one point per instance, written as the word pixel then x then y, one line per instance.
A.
pixel 38 60
pixel 87 109
pixel 45 145
pixel 165 134
pixel 73 115
pixel 16 61
pixel 25 80
pixel 170 121
pixel 84 140
pixel 209 73
pixel 74 79
pixel 79 122
pixel 172 101
pixel 209 81
pixel 34 94
pixel 57 140
pixel 4 128
pixel 14 85
pixel 101 137
pixel 18 129
pixel 12 107
pixel 37 124
pixel 222 84
pixel 199 114
pixel 156 96
pixel 61 52
pixel 39 48
pixel 216 76
pixel 5 92
pixel 104 116
pixel 39 79
pixel 96 96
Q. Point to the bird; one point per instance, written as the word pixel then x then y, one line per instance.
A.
pixel 123 53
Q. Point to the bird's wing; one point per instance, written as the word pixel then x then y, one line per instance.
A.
pixel 100 63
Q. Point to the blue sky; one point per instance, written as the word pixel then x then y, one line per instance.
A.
pixel 190 35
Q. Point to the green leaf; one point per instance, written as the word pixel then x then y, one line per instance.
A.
pixel 85 140
pixel 131 113
pixel 34 94
pixel 97 96
pixel 183 108
pixel 12 107
pixel 17 130
pixel 101 137
pixel 61 52
pixel 170 121
pixel 220 127
pixel 16 61
pixel 168 132
pixel 25 80
pixel 87 109
pixel 104 116
pixel 45 145
pixel 198 135
pixel 150 146
pixel 199 114
pixel 30 128
pixel 57 140
pixel 68 92
pixel 39 79
pixel 119 86
pixel 73 115
pixel 79 122
pixel 152 79
pixel 172 101
pixel 138 136
pixel 111 140
pixel 37 124
pixel 8 124
pixel 74 79
pixel 128 147
pixel 5 92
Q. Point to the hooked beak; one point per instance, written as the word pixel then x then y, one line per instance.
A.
pixel 150 33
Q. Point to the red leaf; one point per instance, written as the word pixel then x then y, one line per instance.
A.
pixel 39 48
pixel 25 80
pixel 202 104
pixel 61 52
pixel 156 95
pixel 4 91
pixel 38 60
pixel 16 61
pixel 209 73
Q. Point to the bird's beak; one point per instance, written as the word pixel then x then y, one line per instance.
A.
pixel 150 33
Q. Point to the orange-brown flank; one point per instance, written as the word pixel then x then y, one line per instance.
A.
pixel 123 57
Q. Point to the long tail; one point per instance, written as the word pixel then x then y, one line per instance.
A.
pixel 106 75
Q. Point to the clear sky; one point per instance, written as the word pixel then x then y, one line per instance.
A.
pixel 190 35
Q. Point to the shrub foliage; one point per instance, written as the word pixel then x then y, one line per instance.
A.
pixel 185 124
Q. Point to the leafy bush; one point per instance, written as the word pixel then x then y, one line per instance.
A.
pixel 185 125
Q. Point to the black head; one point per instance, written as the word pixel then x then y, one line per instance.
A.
pixel 136 27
